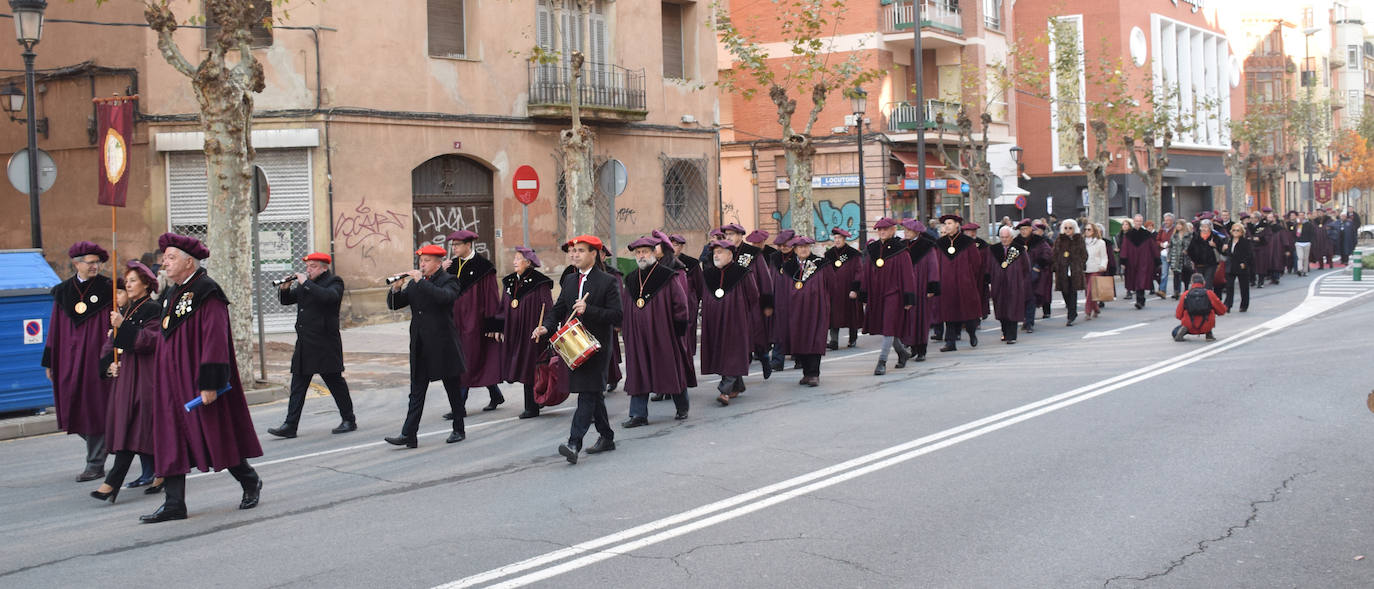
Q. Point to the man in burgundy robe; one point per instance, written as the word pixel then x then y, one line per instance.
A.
pixel 961 271
pixel 1278 244
pixel 731 300
pixel 750 255
pixel 846 312
pixel 1140 251
pixel 926 265
pixel 1009 279
pixel 692 274
pixel 888 288
pixel 195 359
pixel 1038 248
pixel 654 319
pixel 477 315
pixel 782 297
pixel 971 229
pixel 807 277
pixel 79 321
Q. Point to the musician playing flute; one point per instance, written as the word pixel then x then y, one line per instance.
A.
pixel 527 296
pixel 317 294
pixel 1009 276
pixel 591 296
pixel 434 350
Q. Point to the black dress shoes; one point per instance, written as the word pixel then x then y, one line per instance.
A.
pixel 345 426
pixel 250 497
pixel 153 490
pixel 448 416
pixel 495 402
pixel 948 347
pixel 106 496
pixel 881 369
pixel 456 437
pixel 973 340
pixel 90 475
pixel 569 452
pixel 653 397
pixel 601 445
pixel 681 415
pixel 903 354
pixel 163 514
pixel 528 413
pixel 139 482
pixel 284 430
pixel 634 422
pixel 833 345
pixel 407 441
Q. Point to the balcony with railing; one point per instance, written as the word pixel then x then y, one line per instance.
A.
pixel 605 92
pixel 906 116
pixel 898 16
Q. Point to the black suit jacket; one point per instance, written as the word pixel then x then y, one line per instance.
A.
pixel 603 315
pixel 319 349
pixel 433 340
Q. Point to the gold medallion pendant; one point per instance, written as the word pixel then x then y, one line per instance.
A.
pixel 838 263
pixel 1066 254
pixel 80 307
pixel 878 262
pixel 950 250
pixel 720 293
pixel 798 285
pixel 639 302
pixel 514 303
pixel 166 320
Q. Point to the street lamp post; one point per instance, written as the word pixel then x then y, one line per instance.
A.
pixel 1310 113
pixel 28 30
pixel 859 99
pixel 1016 157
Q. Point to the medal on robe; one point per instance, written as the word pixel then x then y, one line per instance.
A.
pixel 94 298
pixel 950 250
pixel 514 303
pixel 639 302
pixel 166 320
pixel 838 263
pixel 80 307
pixel 720 293
pixel 798 286
pixel 1066 254
pixel 878 262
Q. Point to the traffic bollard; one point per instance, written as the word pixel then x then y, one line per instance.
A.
pixel 1356 265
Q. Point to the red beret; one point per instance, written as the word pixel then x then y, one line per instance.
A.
pixel 590 240
pixel 431 250
pixel 82 249
pixel 318 257
pixel 192 246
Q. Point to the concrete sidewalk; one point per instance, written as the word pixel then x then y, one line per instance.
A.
pixel 375 356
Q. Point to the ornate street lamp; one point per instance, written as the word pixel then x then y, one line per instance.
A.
pixel 28 30
pixel 859 100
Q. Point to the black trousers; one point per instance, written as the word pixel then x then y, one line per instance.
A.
pixel 1140 297
pixel 954 328
pixel 174 486
pixel 338 388
pixel 530 405
pixel 123 460
pixel 810 364
pixel 95 451
pixel 591 409
pixel 1244 280
pixel 730 384
pixel 835 335
pixel 1008 331
pixel 419 385
pixel 1070 302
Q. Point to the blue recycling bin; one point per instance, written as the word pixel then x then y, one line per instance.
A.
pixel 26 283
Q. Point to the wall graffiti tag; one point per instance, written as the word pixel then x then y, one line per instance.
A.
pixel 825 216
pixel 365 228
pixel 433 223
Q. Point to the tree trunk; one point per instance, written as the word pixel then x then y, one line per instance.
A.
pixel 1095 169
pixel 980 194
pixel 577 177
pixel 798 153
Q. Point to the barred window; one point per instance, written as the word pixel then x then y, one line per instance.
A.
pixel 684 193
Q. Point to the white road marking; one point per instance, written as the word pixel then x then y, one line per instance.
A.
pixel 767 496
pixel 1117 331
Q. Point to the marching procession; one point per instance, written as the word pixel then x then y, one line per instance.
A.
pixel 143 365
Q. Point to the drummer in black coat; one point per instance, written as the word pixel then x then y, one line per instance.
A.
pixel 593 297
pixel 434 350
pixel 317 294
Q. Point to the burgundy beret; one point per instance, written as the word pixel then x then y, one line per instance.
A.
pixel 884 223
pixel 528 254
pixel 82 249
pixel 192 246
pixel 841 233
pixel 971 226
pixel 784 237
pixel 914 225
pixel 955 218
pixel 676 238
pixel 462 235
pixel 648 242
pixel 723 244
pixel 757 236
pixel 801 240
pixel 144 273
pixel 736 227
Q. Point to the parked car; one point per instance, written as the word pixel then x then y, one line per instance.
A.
pixel 1367 231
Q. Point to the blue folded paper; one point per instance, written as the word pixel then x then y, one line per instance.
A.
pixel 197 402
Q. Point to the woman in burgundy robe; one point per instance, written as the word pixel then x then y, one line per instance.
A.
pixel 526 295
pixel 846 312
pixel 961 292
pixel 129 419
pixel 732 298
pixel 808 278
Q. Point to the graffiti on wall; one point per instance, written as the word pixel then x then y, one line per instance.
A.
pixel 434 223
pixel 825 216
pixel 365 228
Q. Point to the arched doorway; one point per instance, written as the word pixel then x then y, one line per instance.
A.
pixel 452 192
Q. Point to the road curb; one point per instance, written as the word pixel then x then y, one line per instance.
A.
pixel 38 425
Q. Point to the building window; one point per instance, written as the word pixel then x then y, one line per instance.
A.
pixel 672 41
pixel 447 25
pixel 992 14
pixel 1196 61
pixel 1068 109
pixel 1352 60
pixel 261 28
pixel 684 193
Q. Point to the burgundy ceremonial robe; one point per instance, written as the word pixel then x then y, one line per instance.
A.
pixel 926 266
pixel 961 271
pixel 1141 252
pixel 752 259
pixel 887 289
pixel 477 312
pixel 730 302
pixel 846 264
pixel 1009 278
pixel 72 351
pixel 810 311
pixel 525 297
pixel 1041 258
pixel 655 317
pixel 983 291
pixel 1321 242
pixel 782 299
pixel 1260 237
pixel 129 418
pixel 692 276
pixel 687 357
pixel 197 353
pixel 1277 245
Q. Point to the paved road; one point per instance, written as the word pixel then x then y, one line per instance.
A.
pixel 1118 460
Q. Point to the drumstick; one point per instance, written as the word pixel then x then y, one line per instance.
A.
pixel 540 322
pixel 580 299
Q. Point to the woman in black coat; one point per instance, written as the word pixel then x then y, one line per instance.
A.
pixel 1203 252
pixel 1240 259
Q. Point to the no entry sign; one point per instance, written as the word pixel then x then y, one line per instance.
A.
pixel 526 184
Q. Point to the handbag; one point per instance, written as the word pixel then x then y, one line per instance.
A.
pixel 1104 288
pixel 550 379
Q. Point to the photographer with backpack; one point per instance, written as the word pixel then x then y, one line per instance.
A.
pixel 1197 310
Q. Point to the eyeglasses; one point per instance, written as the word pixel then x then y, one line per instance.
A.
pixel 87 262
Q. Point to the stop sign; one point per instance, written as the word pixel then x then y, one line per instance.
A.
pixel 526 184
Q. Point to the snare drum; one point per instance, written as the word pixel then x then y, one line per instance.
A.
pixel 574 343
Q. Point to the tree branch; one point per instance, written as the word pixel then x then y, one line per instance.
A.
pixel 164 23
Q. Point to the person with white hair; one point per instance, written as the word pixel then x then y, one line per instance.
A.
pixel 1203 252
pixel 1070 262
